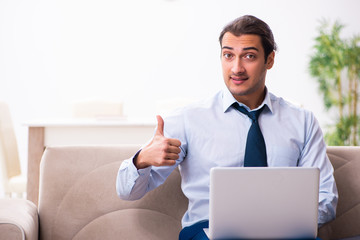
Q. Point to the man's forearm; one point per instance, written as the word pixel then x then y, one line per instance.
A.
pixel 132 184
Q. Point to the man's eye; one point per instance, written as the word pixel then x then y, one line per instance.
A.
pixel 250 56
pixel 227 55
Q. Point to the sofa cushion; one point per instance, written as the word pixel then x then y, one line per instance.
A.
pixel 77 192
pixel 131 224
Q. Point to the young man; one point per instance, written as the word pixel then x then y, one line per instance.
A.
pixel 214 132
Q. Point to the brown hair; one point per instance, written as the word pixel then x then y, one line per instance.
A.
pixel 251 25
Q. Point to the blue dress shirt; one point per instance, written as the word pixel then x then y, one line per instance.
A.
pixel 212 134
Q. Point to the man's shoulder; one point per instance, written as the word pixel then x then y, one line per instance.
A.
pixel 292 111
pixel 286 104
pixel 190 117
pixel 208 104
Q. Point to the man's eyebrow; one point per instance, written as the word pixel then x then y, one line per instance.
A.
pixel 250 48
pixel 244 49
pixel 226 47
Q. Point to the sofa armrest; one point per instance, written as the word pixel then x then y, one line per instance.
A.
pixel 346 163
pixel 18 220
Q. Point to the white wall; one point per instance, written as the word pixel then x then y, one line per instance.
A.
pixel 56 52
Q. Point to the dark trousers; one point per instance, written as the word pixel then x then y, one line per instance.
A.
pixel 196 232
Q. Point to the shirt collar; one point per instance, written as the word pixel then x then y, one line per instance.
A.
pixel 228 100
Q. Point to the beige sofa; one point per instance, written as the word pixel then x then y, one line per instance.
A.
pixel 78 200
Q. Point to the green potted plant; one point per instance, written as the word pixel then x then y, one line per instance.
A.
pixel 335 63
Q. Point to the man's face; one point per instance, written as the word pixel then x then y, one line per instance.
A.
pixel 244 67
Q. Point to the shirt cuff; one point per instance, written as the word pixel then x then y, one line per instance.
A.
pixel 140 172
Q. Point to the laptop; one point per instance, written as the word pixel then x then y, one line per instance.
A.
pixel 263 203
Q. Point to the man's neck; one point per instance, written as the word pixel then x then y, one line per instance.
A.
pixel 253 101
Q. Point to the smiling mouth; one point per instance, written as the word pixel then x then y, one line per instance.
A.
pixel 239 79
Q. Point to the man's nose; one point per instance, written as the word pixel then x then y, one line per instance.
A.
pixel 238 66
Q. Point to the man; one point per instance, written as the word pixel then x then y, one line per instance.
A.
pixel 214 132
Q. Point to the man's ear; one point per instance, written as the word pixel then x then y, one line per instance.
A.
pixel 270 60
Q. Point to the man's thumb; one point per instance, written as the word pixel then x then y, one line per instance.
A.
pixel 160 126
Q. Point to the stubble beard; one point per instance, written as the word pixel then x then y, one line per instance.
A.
pixel 246 92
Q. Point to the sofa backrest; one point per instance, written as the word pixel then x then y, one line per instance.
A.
pixel 346 163
pixel 78 200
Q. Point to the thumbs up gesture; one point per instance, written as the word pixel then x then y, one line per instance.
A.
pixel 161 151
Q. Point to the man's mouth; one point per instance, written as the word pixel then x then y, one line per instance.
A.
pixel 239 79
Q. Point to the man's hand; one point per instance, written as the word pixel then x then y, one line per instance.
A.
pixel 161 151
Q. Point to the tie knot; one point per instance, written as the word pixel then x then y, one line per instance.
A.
pixel 253 115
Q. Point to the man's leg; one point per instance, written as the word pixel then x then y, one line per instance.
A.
pixel 200 236
pixel 195 231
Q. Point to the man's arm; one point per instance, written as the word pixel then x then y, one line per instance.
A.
pixel 136 176
pixel 314 155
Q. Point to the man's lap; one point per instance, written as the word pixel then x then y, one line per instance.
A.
pixel 196 232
